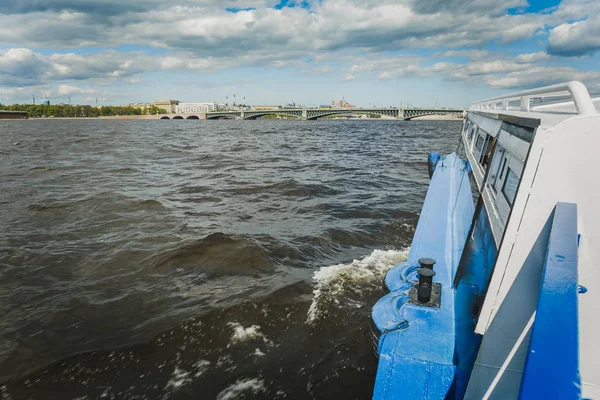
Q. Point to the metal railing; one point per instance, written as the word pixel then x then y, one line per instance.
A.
pixel 575 89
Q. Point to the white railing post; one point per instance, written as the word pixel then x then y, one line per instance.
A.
pixel 581 98
pixel 524 105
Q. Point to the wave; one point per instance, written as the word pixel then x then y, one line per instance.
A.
pixel 150 204
pixel 290 188
pixel 114 202
pixel 46 207
pixel 124 170
pixel 341 285
pixel 42 168
pixel 217 254
pixel 195 189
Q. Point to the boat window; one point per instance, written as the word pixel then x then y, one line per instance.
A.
pixel 479 143
pixel 497 167
pixel 507 182
pixel 503 168
pixel 472 129
pixel 486 151
pixel 490 149
pixel 510 186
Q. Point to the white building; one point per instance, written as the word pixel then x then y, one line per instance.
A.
pixel 168 105
pixel 189 108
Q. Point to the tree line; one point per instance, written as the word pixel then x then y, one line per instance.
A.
pixel 45 110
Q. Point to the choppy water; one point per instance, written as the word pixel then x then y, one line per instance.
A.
pixel 201 259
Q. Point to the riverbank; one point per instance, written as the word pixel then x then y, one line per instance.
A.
pixel 170 116
pixel 119 117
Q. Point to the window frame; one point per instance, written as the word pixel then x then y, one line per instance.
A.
pixel 503 190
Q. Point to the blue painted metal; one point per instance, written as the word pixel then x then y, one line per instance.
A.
pixel 475 271
pixel 552 365
pixel 432 160
pixel 417 344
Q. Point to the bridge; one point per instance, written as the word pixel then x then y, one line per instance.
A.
pixel 315 113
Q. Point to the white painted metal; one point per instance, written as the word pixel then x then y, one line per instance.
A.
pixel 559 168
pixel 514 150
pixel 490 125
pixel 579 93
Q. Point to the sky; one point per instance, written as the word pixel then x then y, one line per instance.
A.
pixel 419 53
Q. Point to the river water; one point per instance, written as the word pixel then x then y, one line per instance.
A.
pixel 201 259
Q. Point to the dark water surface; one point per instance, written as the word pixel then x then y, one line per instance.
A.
pixel 201 259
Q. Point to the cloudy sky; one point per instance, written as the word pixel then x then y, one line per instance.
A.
pixel 370 52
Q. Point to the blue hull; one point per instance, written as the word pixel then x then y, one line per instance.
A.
pixel 419 354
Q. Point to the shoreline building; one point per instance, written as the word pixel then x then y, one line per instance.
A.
pixel 188 108
pixel 341 104
pixel 143 106
pixel 169 105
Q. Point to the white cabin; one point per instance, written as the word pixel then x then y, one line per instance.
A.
pixel 528 151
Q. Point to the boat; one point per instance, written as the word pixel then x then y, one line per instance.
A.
pixel 499 297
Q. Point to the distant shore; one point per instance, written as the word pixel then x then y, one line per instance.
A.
pixel 157 117
pixel 147 117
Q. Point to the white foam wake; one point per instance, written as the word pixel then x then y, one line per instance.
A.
pixel 336 280
pixel 241 334
pixel 231 392
pixel 180 377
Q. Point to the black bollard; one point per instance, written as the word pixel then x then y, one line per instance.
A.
pixel 425 284
pixel 426 262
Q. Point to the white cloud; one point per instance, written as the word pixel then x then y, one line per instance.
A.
pixel 69 90
pixel 208 30
pixel 19 67
pixel 323 69
pixel 356 37
pixel 23 66
pixel 521 71
pixel 533 57
pixel 541 76
pixel 471 54
pixel 575 39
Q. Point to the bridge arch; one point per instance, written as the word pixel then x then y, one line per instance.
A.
pixel 412 114
pixel 316 114
pixel 193 117
pixel 164 117
pixel 220 117
pixel 255 115
pixel 178 117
